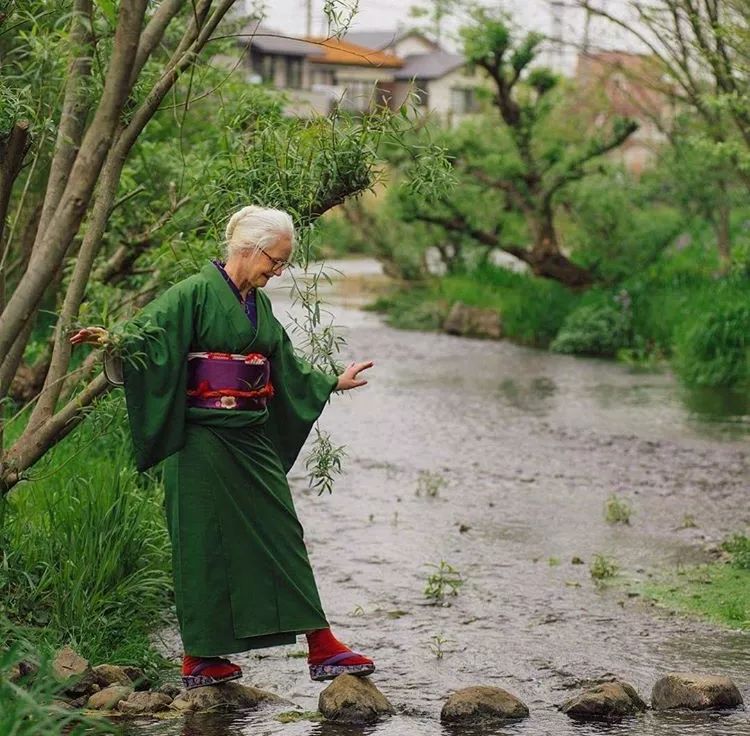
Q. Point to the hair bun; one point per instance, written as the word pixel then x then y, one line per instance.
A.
pixel 237 217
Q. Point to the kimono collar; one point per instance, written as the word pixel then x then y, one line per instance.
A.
pixel 234 309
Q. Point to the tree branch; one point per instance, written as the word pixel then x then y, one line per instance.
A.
pixel 26 451
pixel 53 243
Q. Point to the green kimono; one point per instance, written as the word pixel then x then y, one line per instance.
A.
pixel 242 577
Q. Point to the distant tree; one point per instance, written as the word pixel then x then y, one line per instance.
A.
pixel 524 154
pixel 702 46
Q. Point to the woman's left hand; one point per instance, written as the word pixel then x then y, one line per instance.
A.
pixel 348 379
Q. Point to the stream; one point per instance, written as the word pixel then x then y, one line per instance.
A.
pixel 528 445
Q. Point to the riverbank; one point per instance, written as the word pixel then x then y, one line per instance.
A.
pixel 681 312
pixel 719 591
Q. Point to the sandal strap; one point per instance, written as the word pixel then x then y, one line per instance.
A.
pixel 205 663
pixel 339 658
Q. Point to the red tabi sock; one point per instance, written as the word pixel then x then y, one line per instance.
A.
pixel 323 645
pixel 219 667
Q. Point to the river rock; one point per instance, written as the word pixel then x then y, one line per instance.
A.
pixel 695 692
pixel 23 670
pixel 607 701
pixel 141 702
pixel 111 674
pixel 137 677
pixel 108 698
pixel 75 673
pixel 170 689
pixel 350 699
pixel 473 322
pixel 227 696
pixel 482 703
pixel 69 664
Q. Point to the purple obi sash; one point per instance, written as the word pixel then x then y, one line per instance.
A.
pixel 229 381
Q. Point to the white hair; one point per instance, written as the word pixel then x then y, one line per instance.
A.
pixel 253 227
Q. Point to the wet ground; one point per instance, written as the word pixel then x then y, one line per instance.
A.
pixel 529 445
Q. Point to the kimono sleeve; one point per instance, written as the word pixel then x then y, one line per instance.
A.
pixel 301 393
pixel 154 372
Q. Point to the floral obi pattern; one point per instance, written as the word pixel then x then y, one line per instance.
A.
pixel 229 381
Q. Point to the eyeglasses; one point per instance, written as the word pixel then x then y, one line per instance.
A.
pixel 279 264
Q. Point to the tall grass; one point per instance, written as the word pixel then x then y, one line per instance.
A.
pixel 85 553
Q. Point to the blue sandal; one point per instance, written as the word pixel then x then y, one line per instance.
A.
pixel 331 668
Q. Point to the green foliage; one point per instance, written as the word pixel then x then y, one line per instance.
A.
pixel 86 556
pixel 617 510
pixel 323 462
pixel 444 581
pixel 738 546
pixel 598 329
pixel 602 568
pixel 617 226
pixel 532 309
pixel 718 591
pixel 437 645
pixel 28 704
pixel 713 349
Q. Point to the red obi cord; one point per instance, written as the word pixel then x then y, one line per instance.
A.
pixel 204 391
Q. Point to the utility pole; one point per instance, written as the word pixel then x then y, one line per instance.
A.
pixel 308 18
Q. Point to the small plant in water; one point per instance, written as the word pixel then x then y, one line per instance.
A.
pixel 429 484
pixel 602 568
pixel 688 522
pixel 617 510
pixel 437 644
pixel 446 580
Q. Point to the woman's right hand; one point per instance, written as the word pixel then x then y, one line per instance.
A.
pixel 91 335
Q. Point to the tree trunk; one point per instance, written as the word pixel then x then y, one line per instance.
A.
pixel 546 259
pixel 721 225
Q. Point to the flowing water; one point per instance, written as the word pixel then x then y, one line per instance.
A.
pixel 530 445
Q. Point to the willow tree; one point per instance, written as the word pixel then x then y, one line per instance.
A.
pixel 93 94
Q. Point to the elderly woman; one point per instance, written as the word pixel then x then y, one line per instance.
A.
pixel 215 388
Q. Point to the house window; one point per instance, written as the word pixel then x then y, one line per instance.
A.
pixel 323 76
pixel 463 100
pixel 267 69
pixel 263 66
pixel 293 72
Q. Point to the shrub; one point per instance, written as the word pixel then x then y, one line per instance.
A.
pixel 594 329
pixel 714 348
pixel 738 546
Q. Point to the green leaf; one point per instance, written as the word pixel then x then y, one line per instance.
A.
pixel 108 10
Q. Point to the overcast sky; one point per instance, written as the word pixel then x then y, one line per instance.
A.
pixel 289 16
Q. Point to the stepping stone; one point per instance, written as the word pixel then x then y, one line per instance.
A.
pixel 606 701
pixel 695 692
pixel 350 699
pixel 482 703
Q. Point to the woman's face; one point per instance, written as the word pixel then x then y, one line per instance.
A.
pixel 262 265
